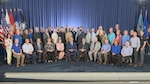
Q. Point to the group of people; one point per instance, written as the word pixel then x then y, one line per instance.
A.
pixel 44 45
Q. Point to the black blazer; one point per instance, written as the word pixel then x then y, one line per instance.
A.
pixel 63 36
pixel 37 35
pixel 86 46
pixel 36 47
pixel 73 34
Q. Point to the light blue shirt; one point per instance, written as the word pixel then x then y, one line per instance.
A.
pixel 127 51
pixel 111 37
pixel 92 36
pixel 125 38
pixel 106 47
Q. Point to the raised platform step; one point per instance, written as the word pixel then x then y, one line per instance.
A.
pixel 77 76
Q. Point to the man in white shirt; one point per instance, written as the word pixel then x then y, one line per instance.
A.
pixel 135 44
pixel 88 36
pixel 28 51
pixel 55 36
pixel 93 34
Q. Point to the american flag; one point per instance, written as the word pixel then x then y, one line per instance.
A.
pixel 4 29
pixel 3 20
pixel 1 33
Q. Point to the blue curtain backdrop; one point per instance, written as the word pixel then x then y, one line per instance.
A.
pixel 86 13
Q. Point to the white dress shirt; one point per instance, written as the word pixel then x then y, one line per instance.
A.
pixel 27 48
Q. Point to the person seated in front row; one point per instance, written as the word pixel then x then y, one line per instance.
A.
pixel 126 54
pixel 71 48
pixel 104 51
pixel 115 52
pixel 94 48
pixel 50 50
pixel 83 49
pixel 60 49
pixel 38 49
pixel 28 51
pixel 17 53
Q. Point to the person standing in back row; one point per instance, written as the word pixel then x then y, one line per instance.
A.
pixel 142 47
pixel 135 44
pixel 36 34
pixel 111 36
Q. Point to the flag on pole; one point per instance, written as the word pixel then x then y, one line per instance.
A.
pixel 146 25
pixel 12 22
pixel 24 25
pixel 15 15
pixel 140 23
pixel 21 16
pixel 18 17
pixel 18 20
pixel 8 21
pixel 3 20
pixel 4 24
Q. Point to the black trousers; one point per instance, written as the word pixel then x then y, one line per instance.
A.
pixel 123 60
pixel 83 54
pixel 114 58
pixel 51 55
pixel 135 56
pixel 40 56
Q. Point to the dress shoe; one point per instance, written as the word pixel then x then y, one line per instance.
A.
pixel 140 64
pixel 135 65
pixel 104 63
pixel 100 62
pixel 22 64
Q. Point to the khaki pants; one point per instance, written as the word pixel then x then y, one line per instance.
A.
pixel 9 56
pixel 100 56
pixel 18 58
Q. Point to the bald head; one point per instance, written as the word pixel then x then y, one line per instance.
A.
pixel 95 39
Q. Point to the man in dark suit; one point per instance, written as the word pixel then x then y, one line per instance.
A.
pixel 73 32
pixel 50 31
pixel 45 36
pixel 36 34
pixel 25 35
pixel 71 48
pixel 38 49
pixel 42 32
pixel 83 49
pixel 80 35
pixel 62 35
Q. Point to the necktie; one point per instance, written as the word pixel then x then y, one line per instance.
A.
pixel 83 46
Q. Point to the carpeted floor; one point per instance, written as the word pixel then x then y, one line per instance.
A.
pixel 80 66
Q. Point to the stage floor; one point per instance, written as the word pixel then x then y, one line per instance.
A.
pixel 80 66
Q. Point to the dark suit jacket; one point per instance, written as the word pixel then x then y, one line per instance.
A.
pixel 37 35
pixel 85 46
pixel 73 34
pixel 24 37
pixel 69 46
pixel 36 47
pixel 63 36
pixel 45 36
pixel 50 33
pixel 79 38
